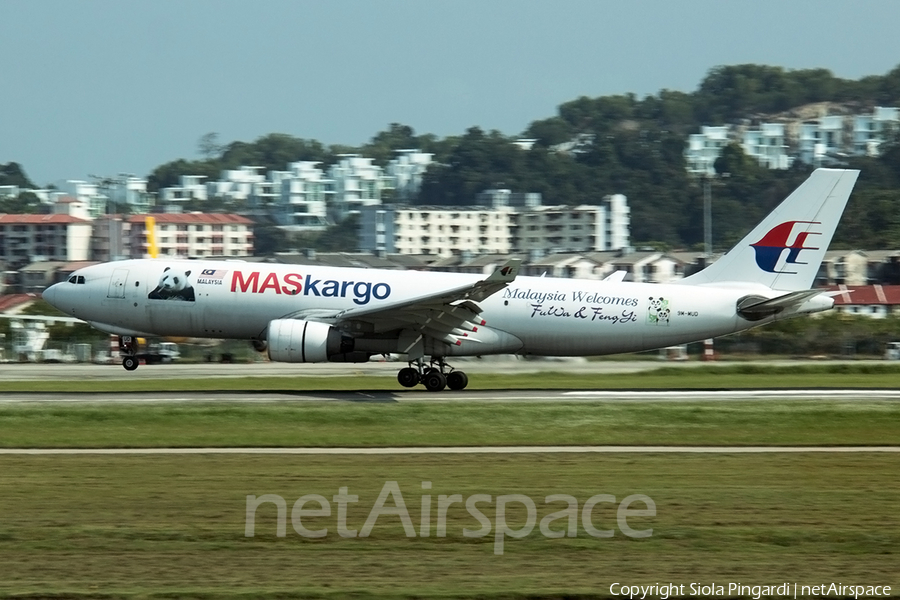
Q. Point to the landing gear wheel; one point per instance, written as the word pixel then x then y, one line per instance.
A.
pixel 434 381
pixel 130 363
pixel 408 377
pixel 457 380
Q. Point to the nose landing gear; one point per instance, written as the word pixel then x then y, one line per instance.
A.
pixel 434 378
pixel 127 348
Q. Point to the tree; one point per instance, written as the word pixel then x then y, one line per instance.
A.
pixel 25 203
pixel 12 174
pixel 341 237
pixel 209 146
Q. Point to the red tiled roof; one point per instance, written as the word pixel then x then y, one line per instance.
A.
pixel 12 300
pixel 39 219
pixel 866 295
pixel 194 218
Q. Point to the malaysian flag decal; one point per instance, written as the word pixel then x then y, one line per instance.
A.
pixel 211 276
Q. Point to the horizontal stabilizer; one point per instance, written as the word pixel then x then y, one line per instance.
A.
pixel 754 308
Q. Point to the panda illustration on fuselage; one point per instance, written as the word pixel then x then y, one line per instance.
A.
pixel 173 285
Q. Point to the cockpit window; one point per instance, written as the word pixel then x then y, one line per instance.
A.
pixel 71 279
pixel 80 279
pixel 76 279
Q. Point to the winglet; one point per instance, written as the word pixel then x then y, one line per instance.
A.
pixel 506 273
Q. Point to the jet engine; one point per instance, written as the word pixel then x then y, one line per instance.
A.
pixel 292 340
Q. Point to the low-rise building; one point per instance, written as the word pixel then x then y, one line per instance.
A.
pixel 876 301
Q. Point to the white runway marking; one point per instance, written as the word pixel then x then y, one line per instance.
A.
pixel 462 450
pixel 881 394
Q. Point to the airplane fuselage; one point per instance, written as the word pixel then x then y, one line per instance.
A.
pixel 532 315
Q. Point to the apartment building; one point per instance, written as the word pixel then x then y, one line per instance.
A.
pixel 817 142
pixel 191 188
pixel 30 238
pixel 357 183
pixel 448 231
pixel 187 235
pixel 768 145
pixel 869 131
pixel 704 148
pixel 550 229
pixel 407 171
pixel 304 195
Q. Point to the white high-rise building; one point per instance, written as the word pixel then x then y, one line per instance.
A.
pixel 89 194
pixel 767 145
pixel 304 197
pixel 191 188
pixel 820 139
pixel 870 130
pixel 704 148
pixel 407 171
pixel 236 184
pixel 357 183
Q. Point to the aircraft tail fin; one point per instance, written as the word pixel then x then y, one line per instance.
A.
pixel 785 251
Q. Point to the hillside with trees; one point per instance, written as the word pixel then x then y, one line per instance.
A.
pixel 623 144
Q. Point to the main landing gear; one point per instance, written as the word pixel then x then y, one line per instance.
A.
pixel 434 378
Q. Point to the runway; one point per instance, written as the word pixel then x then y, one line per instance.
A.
pixel 462 450
pixel 489 364
pixel 422 396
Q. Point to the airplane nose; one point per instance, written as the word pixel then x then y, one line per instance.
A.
pixel 51 294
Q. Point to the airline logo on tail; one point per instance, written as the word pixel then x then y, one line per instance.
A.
pixel 772 245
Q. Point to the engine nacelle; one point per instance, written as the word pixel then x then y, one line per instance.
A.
pixel 291 340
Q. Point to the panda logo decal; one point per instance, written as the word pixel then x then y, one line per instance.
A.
pixel 173 285
pixel 658 312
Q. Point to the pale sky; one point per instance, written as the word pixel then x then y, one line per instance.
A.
pixel 113 86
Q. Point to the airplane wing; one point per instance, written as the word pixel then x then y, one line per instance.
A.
pixel 45 318
pixel 447 314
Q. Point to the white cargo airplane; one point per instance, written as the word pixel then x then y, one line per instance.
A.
pixel 318 314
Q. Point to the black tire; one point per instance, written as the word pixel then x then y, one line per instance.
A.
pixel 434 381
pixel 130 363
pixel 408 377
pixel 457 380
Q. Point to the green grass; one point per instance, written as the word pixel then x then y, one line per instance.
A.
pixel 324 424
pixel 173 526
pixel 841 375
pixel 170 526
